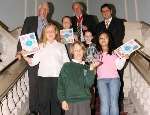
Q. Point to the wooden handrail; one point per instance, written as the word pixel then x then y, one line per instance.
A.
pixel 142 66
pixel 15 29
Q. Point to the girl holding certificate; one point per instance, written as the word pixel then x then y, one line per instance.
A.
pixel 108 81
pixel 51 56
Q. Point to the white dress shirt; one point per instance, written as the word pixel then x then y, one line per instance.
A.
pixel 107 22
pixel 51 58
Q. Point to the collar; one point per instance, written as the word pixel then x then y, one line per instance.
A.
pixel 54 42
pixel 108 20
pixel 76 61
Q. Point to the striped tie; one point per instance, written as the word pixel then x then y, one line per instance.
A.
pixel 79 31
pixel 41 25
pixel 107 24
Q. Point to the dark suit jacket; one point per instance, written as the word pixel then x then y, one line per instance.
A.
pixel 116 29
pixel 88 20
pixel 30 25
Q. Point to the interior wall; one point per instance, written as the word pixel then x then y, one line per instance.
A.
pixel 13 12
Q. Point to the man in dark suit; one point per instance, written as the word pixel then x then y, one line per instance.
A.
pixel 117 30
pixel 87 22
pixel 34 24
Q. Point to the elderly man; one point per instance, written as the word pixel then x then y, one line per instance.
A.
pixel 34 24
pixel 82 22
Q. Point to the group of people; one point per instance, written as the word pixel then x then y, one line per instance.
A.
pixel 61 74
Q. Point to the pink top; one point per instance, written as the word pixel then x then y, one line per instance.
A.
pixel 108 69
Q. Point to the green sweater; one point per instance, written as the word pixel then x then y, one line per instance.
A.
pixel 74 82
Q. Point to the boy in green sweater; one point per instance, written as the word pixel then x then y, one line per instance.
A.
pixel 74 82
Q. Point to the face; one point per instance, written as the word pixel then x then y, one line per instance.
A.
pixel 103 40
pixel 66 23
pixel 77 9
pixel 43 10
pixel 51 33
pixel 88 37
pixel 78 52
pixel 106 13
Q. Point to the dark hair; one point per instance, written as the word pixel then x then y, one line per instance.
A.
pixel 66 17
pixel 106 5
pixel 110 44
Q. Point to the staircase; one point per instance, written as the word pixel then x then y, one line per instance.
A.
pixel 14 85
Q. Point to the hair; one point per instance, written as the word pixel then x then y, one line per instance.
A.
pixel 86 32
pixel 80 44
pixel 66 17
pixel 81 6
pixel 106 5
pixel 43 35
pixel 110 49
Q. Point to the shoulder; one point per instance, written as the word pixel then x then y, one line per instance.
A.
pixel 61 45
pixel 31 18
pixel 117 20
pixel 100 23
pixel 67 65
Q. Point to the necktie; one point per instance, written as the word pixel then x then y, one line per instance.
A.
pixel 107 24
pixel 79 27
pixel 42 23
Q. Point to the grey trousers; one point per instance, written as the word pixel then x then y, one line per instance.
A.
pixel 79 108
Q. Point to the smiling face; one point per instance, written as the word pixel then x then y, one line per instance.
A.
pixel 88 37
pixel 50 33
pixel 77 8
pixel 104 40
pixel 66 22
pixel 43 10
pixel 106 13
pixel 78 52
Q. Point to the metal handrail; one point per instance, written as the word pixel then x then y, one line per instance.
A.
pixel 12 84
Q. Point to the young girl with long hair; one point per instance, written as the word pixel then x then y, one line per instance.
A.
pixel 51 57
pixel 108 81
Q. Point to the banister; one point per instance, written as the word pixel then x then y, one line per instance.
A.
pixel 12 84
pixel 143 67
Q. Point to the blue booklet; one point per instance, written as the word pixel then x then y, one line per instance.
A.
pixel 29 43
pixel 127 48
pixel 67 35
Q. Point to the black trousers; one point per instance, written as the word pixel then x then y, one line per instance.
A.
pixel 33 89
pixel 48 101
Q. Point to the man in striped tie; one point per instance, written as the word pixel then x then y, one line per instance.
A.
pixel 34 24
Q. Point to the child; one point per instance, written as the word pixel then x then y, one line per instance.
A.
pixel 51 56
pixel 91 50
pixel 108 81
pixel 74 82
pixel 67 24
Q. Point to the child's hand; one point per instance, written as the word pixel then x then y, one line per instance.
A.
pixel 18 56
pixel 125 56
pixel 94 65
pixel 24 53
pixel 65 106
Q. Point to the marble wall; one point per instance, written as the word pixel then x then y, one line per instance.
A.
pixel 7 48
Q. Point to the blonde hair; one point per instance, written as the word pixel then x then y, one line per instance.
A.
pixel 81 45
pixel 44 39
